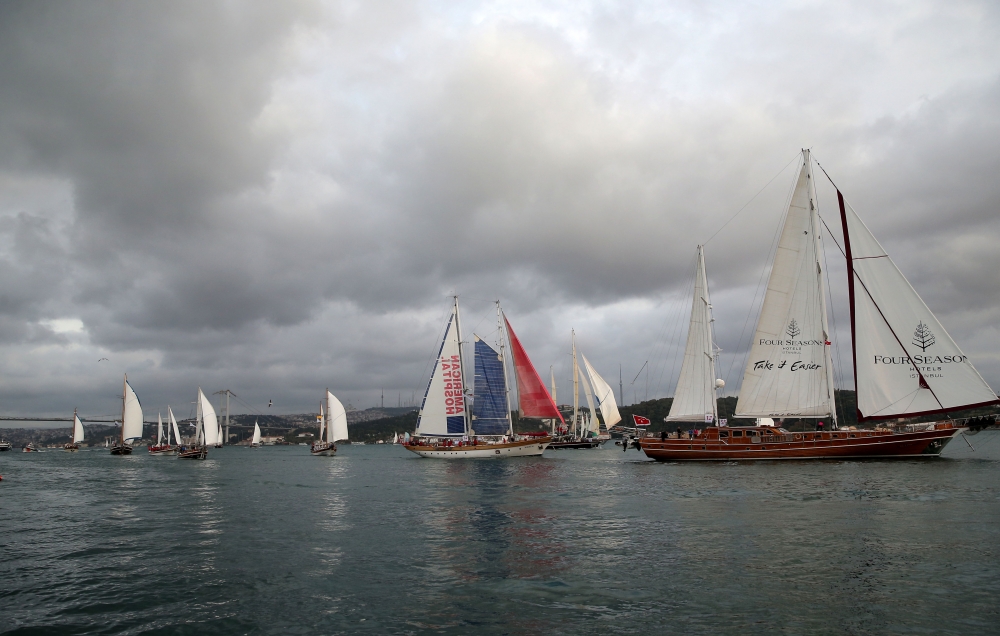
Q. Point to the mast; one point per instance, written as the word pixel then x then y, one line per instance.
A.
pixel 576 382
pixel 461 364
pixel 552 374
pixel 124 395
pixel 817 234
pixel 503 359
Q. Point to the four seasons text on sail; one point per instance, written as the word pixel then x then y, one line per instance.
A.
pixel 454 398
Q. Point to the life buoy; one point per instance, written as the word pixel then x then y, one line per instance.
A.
pixel 798 436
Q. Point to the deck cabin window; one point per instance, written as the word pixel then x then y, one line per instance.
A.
pixel 723 433
pixel 737 433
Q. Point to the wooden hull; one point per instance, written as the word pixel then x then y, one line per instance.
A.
pixel 163 450
pixel 198 452
pixel 522 448
pixel 833 445
pixel 71 448
pixel 323 450
pixel 121 449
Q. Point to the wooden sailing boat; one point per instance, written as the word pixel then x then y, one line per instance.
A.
pixel 332 427
pixel 131 421
pixel 447 428
pixel 206 430
pixel 74 445
pixel 255 440
pixel 162 446
pixel 789 370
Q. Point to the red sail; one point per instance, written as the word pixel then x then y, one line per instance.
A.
pixel 534 399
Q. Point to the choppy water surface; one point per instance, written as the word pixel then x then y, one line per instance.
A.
pixel 379 541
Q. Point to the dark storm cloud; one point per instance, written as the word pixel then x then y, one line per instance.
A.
pixel 275 197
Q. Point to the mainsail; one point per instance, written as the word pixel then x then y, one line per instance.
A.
pixel 77 429
pixel 604 394
pixel 256 435
pixel 789 370
pixel 905 363
pixel 173 424
pixel 209 424
pixel 336 419
pixel 443 410
pixel 490 414
pixel 532 396
pixel 593 424
pixel 695 396
pixel 132 415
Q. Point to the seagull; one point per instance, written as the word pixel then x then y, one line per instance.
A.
pixel 269 404
pixel 103 360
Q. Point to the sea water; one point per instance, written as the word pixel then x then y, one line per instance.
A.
pixel 379 541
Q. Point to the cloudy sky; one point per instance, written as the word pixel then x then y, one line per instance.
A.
pixel 277 198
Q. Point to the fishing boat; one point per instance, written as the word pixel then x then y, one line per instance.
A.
pixel 131 429
pixel 586 427
pixel 162 446
pixel 448 429
pixel 789 368
pixel 74 445
pixel 255 440
pixel 206 430
pixel 332 427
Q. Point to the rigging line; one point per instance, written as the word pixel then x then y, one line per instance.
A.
pixel 733 218
pixel 766 269
pixel 675 341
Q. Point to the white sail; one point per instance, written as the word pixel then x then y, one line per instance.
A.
pixel 594 424
pixel 322 422
pixel 209 423
pixel 132 419
pixel 695 395
pixel 605 395
pixel 443 411
pixel 173 425
pixel 905 361
pixel 77 429
pixel 220 437
pixel 256 435
pixel 159 429
pixel 336 416
pixel 789 370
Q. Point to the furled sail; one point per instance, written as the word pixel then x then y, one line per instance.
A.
pixel 789 371
pixel 443 411
pixel 132 418
pixel 905 363
pixel 173 424
pixel 604 394
pixel 490 415
pixel 695 396
pixel 336 419
pixel 256 434
pixel 209 423
pixel 77 429
pixel 532 396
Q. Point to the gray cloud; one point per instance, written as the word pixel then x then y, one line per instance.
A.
pixel 277 198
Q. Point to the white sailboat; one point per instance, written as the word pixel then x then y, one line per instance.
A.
pixel 332 428
pixel 74 445
pixel 586 428
pixel 131 421
pixel 162 446
pixel 206 430
pixel 789 372
pixel 447 428
pixel 255 440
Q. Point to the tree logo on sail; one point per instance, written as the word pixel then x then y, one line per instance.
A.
pixel 923 337
pixel 793 329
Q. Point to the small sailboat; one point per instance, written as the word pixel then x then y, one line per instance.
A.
pixel 162 446
pixel 789 372
pixel 255 440
pixel 445 426
pixel 332 427
pixel 131 421
pixel 206 430
pixel 74 445
pixel 586 431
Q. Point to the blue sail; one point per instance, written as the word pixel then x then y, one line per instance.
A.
pixel 489 411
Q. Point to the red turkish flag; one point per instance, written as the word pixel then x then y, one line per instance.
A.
pixel 640 420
